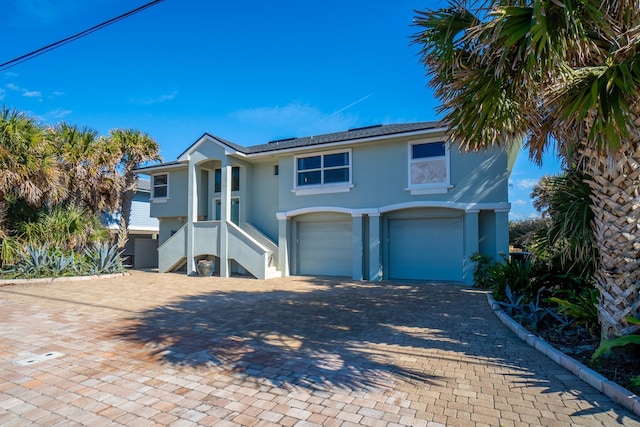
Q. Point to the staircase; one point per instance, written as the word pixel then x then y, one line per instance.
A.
pixel 251 249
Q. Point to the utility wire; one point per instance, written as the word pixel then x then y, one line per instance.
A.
pixel 19 60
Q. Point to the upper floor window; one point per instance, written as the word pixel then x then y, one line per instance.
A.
pixel 428 168
pixel 323 172
pixel 235 179
pixel 160 186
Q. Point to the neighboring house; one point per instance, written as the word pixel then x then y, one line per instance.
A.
pixel 141 250
pixel 379 202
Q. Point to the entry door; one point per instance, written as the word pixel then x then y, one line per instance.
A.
pixel 235 210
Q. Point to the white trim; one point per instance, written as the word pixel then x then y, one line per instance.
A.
pixel 321 189
pixel 447 205
pixel 162 199
pixel 334 187
pixel 151 170
pixel 432 188
pixel 228 151
pixel 466 207
pixel 315 209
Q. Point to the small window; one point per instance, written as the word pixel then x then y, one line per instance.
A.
pixel 428 168
pixel 276 169
pixel 235 179
pixel 331 168
pixel 160 186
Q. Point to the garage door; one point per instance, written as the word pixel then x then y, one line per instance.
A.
pixel 324 248
pixel 426 248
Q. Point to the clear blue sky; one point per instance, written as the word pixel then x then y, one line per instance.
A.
pixel 248 71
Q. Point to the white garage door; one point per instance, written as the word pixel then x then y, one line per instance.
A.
pixel 324 248
pixel 426 248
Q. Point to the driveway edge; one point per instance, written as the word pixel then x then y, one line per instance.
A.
pixel 615 391
pixel 9 282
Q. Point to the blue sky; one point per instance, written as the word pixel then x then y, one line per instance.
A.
pixel 247 71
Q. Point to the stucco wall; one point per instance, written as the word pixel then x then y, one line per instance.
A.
pixel 380 177
pixel 176 203
pixel 262 203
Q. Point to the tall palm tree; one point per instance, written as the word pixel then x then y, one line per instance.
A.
pixel 90 165
pixel 136 148
pixel 28 167
pixel 563 71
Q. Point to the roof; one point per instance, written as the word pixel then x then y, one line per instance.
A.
pixel 356 134
pixel 351 134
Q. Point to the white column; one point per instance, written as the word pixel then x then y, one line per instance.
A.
pixel 471 244
pixel 375 270
pixel 284 224
pixel 225 215
pixel 356 247
pixel 192 216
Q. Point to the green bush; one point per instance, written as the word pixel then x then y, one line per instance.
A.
pixel 607 345
pixel 580 305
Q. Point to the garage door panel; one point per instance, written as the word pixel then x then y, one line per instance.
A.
pixel 426 248
pixel 324 248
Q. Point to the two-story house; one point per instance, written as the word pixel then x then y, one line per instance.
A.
pixel 372 203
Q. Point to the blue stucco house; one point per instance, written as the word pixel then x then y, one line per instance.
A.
pixel 372 203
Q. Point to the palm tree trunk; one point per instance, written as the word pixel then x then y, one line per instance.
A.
pixel 130 187
pixel 616 206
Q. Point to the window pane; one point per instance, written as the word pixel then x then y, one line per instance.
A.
pixel 336 175
pixel 309 178
pixel 307 163
pixel 218 180
pixel 429 172
pixel 235 178
pixel 160 191
pixel 160 180
pixel 434 149
pixel 338 159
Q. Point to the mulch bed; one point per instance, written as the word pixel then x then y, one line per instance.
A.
pixel 620 366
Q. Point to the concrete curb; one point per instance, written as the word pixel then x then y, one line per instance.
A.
pixel 616 392
pixel 9 282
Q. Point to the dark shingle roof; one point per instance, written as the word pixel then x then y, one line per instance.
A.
pixel 351 134
pixel 310 141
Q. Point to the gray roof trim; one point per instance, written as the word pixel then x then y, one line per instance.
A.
pixel 149 170
pixel 235 148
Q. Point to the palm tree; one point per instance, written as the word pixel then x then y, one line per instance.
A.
pixel 136 148
pixel 28 165
pixel 90 165
pixel 553 71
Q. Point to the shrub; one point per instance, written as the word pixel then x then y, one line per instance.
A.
pixel 517 274
pixel 580 305
pixel 622 341
pixel 481 277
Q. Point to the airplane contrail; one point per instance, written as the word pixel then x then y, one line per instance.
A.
pixel 350 105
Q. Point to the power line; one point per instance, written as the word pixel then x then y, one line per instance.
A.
pixel 19 60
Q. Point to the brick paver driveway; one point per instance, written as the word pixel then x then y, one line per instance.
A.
pixel 169 349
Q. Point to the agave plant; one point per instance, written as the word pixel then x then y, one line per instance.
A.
pixel 104 259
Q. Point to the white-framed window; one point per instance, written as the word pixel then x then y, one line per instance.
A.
pixel 428 168
pixel 160 187
pixel 326 172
